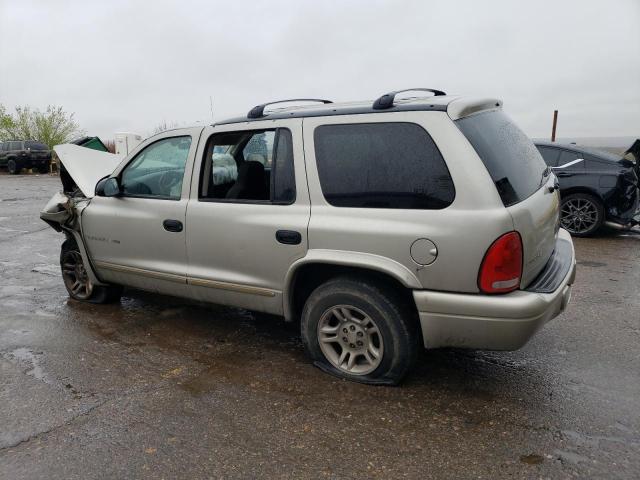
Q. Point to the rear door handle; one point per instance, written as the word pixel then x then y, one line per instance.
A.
pixel 289 237
pixel 172 225
pixel 563 174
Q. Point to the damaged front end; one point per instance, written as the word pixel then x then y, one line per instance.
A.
pixel 80 170
pixel 61 211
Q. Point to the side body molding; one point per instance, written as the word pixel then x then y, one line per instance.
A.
pixel 347 259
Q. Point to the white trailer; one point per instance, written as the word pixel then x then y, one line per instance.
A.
pixel 126 142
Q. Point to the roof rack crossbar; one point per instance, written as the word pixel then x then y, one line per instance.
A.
pixel 386 100
pixel 258 110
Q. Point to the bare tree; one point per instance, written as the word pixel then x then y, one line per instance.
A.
pixel 111 145
pixel 162 127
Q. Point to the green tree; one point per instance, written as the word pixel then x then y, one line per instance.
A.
pixel 51 127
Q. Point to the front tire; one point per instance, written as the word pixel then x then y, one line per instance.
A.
pixel 581 214
pixel 361 331
pixel 77 282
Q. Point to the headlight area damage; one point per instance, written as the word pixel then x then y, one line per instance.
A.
pixel 80 170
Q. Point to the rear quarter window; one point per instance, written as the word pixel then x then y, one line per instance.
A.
pixel 511 158
pixel 381 165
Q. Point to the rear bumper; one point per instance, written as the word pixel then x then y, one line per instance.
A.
pixel 491 322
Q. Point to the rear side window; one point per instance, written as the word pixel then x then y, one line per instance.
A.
pixel 513 161
pixel 381 165
pixel 249 166
pixel 550 155
pixel 571 160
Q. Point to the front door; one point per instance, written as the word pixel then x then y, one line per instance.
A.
pixel 138 238
pixel 247 219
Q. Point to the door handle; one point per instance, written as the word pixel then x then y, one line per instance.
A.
pixel 172 225
pixel 288 237
pixel 563 174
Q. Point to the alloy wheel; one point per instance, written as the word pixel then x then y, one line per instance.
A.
pixel 350 340
pixel 75 276
pixel 578 215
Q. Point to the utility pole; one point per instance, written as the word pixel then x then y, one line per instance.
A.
pixel 555 123
pixel 211 103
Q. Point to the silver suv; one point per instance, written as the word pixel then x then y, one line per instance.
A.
pixel 382 226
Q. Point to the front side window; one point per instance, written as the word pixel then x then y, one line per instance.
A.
pixel 252 165
pixel 381 165
pixel 158 170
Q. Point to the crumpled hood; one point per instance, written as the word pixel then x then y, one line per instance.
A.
pixel 86 166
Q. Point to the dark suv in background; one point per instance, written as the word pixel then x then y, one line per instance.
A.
pixel 596 187
pixel 18 154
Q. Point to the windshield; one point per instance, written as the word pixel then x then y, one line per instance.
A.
pixel 511 158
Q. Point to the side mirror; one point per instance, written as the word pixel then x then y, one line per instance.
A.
pixel 108 187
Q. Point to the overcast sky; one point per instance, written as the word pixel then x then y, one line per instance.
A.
pixel 128 66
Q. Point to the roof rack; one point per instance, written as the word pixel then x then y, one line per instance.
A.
pixel 258 111
pixel 386 100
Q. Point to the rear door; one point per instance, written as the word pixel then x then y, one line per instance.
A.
pixel 522 180
pixel 248 214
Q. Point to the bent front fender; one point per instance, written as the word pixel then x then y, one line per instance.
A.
pixel 63 214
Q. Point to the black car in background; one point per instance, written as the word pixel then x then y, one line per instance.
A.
pixel 18 154
pixel 596 187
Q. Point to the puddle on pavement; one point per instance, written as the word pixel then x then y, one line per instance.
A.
pixel 24 355
pixel 532 459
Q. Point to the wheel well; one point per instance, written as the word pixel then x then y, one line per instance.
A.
pixel 310 276
pixel 588 191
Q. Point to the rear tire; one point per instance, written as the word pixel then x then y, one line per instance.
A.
pixel 77 282
pixel 12 166
pixel 581 214
pixel 361 331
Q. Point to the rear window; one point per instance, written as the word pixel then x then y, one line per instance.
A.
pixel 513 161
pixel 35 145
pixel 381 165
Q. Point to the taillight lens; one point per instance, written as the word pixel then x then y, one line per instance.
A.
pixel 501 268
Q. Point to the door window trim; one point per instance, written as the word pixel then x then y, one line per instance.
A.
pixel 155 197
pixel 271 180
pixel 383 122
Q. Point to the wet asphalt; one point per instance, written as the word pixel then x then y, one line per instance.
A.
pixel 158 387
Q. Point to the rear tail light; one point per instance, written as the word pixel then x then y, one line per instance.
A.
pixel 501 268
